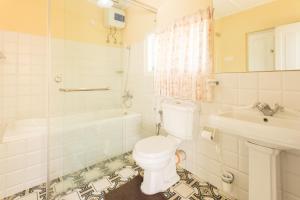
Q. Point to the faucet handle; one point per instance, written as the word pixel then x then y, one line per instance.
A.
pixel 255 105
pixel 278 107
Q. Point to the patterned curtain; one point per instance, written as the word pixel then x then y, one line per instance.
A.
pixel 184 58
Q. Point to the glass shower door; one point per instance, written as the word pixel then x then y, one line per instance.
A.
pixel 86 117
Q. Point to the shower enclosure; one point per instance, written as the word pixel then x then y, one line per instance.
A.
pixel 92 125
pixel 88 125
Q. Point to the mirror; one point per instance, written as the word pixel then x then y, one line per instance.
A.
pixel 256 35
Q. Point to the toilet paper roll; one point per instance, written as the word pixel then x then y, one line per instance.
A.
pixel 208 135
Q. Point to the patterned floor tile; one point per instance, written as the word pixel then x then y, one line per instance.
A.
pixel 94 182
pixel 102 185
pixel 37 192
pixel 127 173
pixel 71 196
pixel 184 190
pixel 31 196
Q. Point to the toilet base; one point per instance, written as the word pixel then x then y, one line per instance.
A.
pixel 156 188
pixel 160 180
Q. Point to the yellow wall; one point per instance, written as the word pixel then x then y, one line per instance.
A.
pixel 140 23
pixel 172 10
pixel 29 16
pixel 81 20
pixel 233 30
pixel 78 20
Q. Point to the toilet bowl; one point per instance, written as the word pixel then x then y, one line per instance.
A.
pixel 156 155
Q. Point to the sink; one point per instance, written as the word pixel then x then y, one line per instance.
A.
pixel 281 131
pixel 266 137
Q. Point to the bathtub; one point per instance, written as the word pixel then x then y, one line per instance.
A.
pixel 23 129
pixel 28 128
pixel 74 143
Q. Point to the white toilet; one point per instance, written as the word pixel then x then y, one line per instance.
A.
pixel 156 155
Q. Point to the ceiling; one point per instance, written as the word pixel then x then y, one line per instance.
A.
pixel 222 7
pixel 152 3
pixel 227 7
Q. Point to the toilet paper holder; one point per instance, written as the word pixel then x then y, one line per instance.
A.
pixel 208 133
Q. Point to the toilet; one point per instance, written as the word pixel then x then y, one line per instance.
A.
pixel 156 155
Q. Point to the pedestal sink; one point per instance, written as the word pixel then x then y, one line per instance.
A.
pixel 266 137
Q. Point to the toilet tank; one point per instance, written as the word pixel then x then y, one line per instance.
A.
pixel 179 119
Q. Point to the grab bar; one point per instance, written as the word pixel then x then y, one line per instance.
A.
pixel 83 89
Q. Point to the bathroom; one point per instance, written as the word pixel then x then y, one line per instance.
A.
pixel 86 91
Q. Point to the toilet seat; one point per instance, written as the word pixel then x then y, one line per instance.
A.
pixel 155 147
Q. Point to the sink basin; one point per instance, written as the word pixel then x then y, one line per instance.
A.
pixel 281 131
pixel 266 137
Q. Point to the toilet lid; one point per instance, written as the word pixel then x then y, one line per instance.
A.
pixel 155 146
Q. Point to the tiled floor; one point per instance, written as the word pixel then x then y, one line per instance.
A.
pixel 94 182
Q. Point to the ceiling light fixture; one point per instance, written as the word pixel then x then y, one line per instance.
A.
pixel 105 3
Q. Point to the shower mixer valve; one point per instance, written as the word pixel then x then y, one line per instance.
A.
pixel 127 95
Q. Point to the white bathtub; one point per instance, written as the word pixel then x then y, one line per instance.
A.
pixel 28 128
pixel 23 129
pixel 74 142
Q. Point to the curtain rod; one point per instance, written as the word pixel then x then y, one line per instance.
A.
pixel 141 5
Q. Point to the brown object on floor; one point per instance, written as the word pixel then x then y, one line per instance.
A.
pixel 132 191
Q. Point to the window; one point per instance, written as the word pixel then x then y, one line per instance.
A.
pixel 150 52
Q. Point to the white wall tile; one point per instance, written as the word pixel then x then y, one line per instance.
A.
pixel 248 81
pixel 230 159
pixel 228 80
pixel 244 164
pixel 14 189
pixel 10 37
pixel 15 178
pixel 243 195
pixel 9 69
pixel 291 81
pixel 35 158
pixel 226 95
pixel 2 166
pixel 15 163
pixel 243 148
pixel 291 183
pixel 17 72
pixel 270 97
pixel 290 163
pixel 2 183
pixel 208 164
pixel 291 100
pixel 243 181
pixel 35 172
pixel 270 81
pixel 3 150
pixel 288 196
pixel 247 97
pixel 15 148
pixel 229 143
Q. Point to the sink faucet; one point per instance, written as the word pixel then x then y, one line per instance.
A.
pixel 267 110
